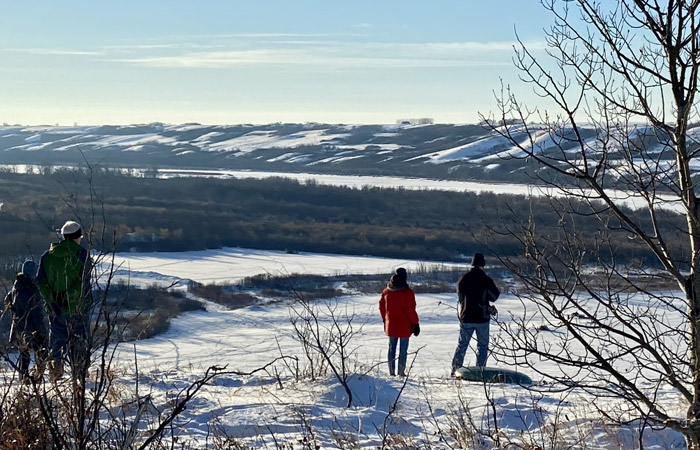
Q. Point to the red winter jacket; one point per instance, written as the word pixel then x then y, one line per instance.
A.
pixel 398 309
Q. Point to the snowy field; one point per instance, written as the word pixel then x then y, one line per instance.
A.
pixel 272 409
pixel 229 265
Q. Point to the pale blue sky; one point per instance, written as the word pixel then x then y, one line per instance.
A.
pixel 258 61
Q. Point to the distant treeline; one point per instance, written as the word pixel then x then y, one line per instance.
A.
pixel 195 213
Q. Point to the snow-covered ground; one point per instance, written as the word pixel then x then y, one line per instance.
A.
pixel 229 265
pixel 260 408
pixel 271 408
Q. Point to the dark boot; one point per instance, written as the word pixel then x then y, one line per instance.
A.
pixel 55 369
pixel 39 369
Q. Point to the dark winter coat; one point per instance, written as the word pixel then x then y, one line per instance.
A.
pixel 27 307
pixel 398 309
pixel 475 290
pixel 64 278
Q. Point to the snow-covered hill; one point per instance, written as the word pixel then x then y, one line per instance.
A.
pixel 438 151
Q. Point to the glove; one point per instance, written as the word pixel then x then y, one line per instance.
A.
pixel 416 330
pixel 492 310
pixel 54 309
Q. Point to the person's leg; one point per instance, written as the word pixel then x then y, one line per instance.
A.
pixel 465 335
pixel 77 345
pixel 23 361
pixel 482 343
pixel 58 340
pixel 40 353
pixel 34 343
pixel 403 356
pixel 391 357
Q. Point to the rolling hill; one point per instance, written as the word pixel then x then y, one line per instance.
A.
pixel 439 151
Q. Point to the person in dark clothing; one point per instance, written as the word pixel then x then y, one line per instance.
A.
pixel 28 330
pixel 398 309
pixel 64 282
pixel 476 291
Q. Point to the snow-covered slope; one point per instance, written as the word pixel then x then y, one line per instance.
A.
pixel 435 151
pixel 274 406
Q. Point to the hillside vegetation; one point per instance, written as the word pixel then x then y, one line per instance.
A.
pixel 195 213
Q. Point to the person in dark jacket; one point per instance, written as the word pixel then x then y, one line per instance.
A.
pixel 28 330
pixel 398 309
pixel 64 282
pixel 476 291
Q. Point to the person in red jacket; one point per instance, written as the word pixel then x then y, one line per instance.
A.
pixel 398 309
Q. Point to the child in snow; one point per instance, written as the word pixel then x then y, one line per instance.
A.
pixel 28 330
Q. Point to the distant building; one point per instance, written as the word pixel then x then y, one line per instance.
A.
pixel 423 121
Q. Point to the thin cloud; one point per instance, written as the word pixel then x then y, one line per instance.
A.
pixel 213 59
pixel 244 36
pixel 340 54
pixel 53 51
pixel 456 48
pixel 315 39
pixel 140 46
pixel 299 57
pixel 490 46
pixel 214 41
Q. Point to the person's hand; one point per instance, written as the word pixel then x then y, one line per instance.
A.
pixel 416 329
pixel 54 309
pixel 492 310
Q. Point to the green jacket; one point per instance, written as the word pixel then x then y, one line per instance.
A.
pixel 64 279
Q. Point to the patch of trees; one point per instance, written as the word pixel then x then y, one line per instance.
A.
pixel 147 312
pixel 195 213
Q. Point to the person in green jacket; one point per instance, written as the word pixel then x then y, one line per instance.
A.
pixel 64 282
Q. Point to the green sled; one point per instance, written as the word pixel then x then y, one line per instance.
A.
pixel 492 375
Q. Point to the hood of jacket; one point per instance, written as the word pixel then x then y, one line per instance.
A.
pixel 64 248
pixel 25 282
pixel 397 283
pixel 396 286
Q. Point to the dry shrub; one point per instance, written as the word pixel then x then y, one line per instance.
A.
pixel 146 325
pixel 21 424
pixel 461 428
pixel 345 440
pixel 223 442
pixel 395 441
pixel 219 295
pixel 433 287
pixel 144 313
pixel 367 287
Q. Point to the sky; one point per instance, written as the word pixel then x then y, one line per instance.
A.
pixel 262 61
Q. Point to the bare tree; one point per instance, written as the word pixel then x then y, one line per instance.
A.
pixel 618 82
pixel 326 330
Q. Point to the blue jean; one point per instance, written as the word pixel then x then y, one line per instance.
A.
pixel 482 343
pixel 403 355
pixel 68 339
